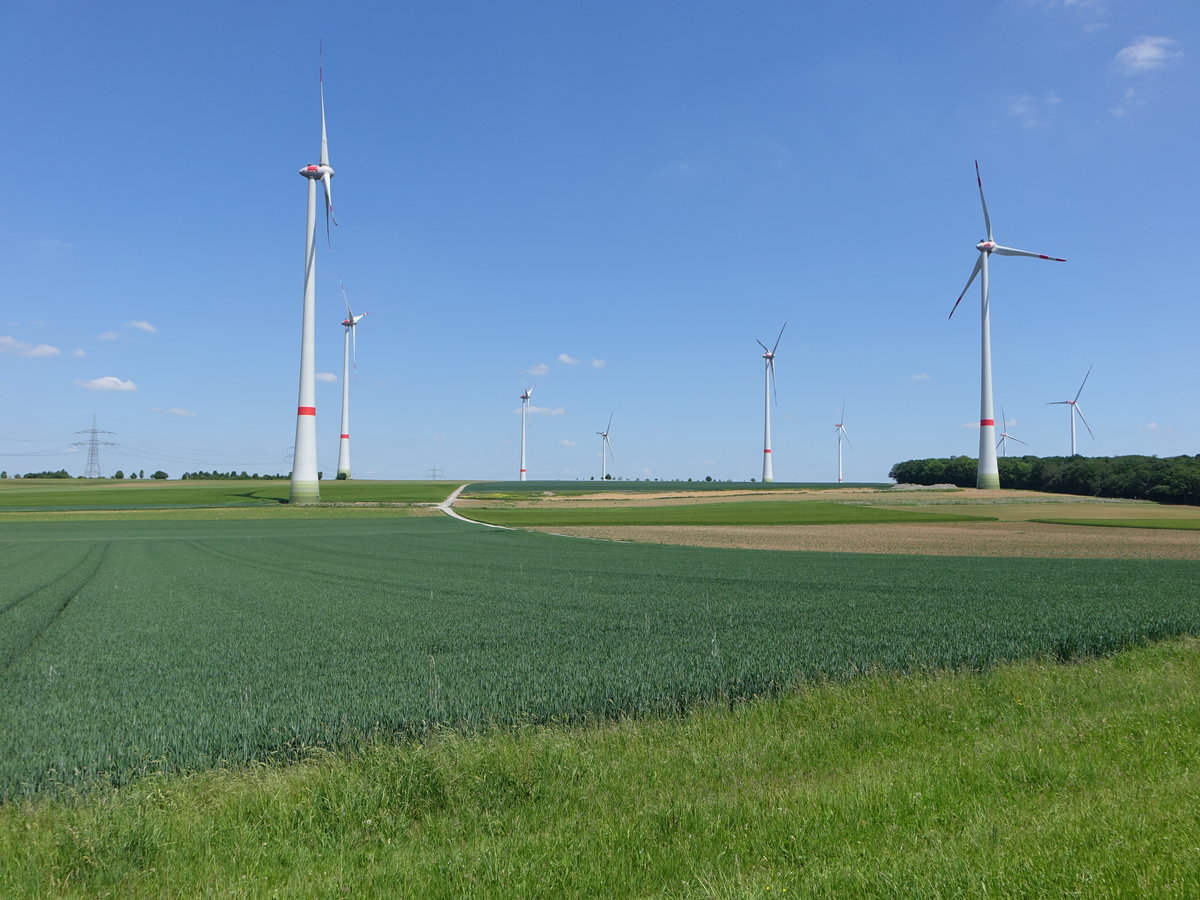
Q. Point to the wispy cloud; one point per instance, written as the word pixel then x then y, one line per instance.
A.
pixel 142 325
pixel 326 376
pixel 107 383
pixel 1032 111
pixel 108 336
pixel 53 244
pixel 539 369
pixel 174 411
pixel 566 443
pixel 21 348
pixel 921 376
pixel 598 364
pixel 1155 426
pixel 78 352
pixel 544 410
pixel 567 360
pixel 1147 53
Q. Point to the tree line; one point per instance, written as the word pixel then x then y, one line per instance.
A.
pixel 1172 479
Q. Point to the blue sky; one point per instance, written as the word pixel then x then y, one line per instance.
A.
pixel 611 199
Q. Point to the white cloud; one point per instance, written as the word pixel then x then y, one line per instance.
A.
pixel 1147 53
pixel 326 376
pixel 78 352
pixel 920 376
pixel 143 325
pixel 567 360
pixel 108 336
pixel 108 383
pixel 565 443
pixel 53 244
pixel 598 364
pixel 1155 426
pixel 174 411
pixel 539 369
pixel 20 348
pixel 544 411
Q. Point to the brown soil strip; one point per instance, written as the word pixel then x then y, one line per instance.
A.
pixel 931 539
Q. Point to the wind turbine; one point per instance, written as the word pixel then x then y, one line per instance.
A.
pixel 989 472
pixel 605 444
pixel 1074 405
pixel 768 387
pixel 1005 437
pixel 349 352
pixel 841 432
pixel 526 393
pixel 304 487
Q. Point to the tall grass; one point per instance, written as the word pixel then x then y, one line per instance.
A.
pixel 1030 780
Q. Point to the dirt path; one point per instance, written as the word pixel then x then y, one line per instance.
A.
pixel 930 539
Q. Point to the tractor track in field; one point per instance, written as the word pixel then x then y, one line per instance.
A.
pixel 71 582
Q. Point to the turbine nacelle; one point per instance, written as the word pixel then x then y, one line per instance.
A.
pixel 351 321
pixel 985 246
pixel 316 173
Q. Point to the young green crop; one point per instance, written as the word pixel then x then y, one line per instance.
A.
pixel 135 646
pixel 749 512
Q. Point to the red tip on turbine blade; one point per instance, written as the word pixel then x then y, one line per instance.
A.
pixel 955 306
pixel 1051 258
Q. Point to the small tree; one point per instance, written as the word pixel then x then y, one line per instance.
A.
pixel 141 473
pixel 160 475
pixel 118 474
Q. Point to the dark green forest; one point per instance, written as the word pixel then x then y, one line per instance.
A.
pixel 1174 479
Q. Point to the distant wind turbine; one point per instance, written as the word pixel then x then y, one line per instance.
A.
pixel 526 393
pixel 1005 437
pixel 1075 408
pixel 988 475
pixel 349 352
pixel 841 432
pixel 304 486
pixel 768 388
pixel 605 444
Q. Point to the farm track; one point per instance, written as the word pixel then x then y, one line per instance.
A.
pixel 60 592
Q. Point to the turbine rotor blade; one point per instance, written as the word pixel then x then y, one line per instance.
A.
pixel 847 436
pixel 761 344
pixel 321 79
pixel 1085 424
pixel 777 339
pixel 774 386
pixel 608 427
pixel 1010 251
pixel 974 272
pixel 1085 378
pixel 346 298
pixel 987 220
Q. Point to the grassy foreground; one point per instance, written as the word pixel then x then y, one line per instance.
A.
pixel 1032 779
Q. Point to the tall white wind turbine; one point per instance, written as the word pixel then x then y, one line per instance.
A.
pixel 768 387
pixel 605 444
pixel 349 352
pixel 1074 407
pixel 989 472
pixel 304 487
pixel 526 393
pixel 841 433
pixel 1005 437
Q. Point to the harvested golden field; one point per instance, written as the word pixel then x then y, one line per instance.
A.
pixel 1013 535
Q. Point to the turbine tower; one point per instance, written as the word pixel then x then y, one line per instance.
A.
pixel 526 393
pixel 304 487
pixel 349 352
pixel 841 433
pixel 605 444
pixel 1074 407
pixel 768 387
pixel 1005 437
pixel 989 472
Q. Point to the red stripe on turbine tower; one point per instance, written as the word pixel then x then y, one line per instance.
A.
pixel 983 422
pixel 346 436
pixel 306 411
pixel 767 450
